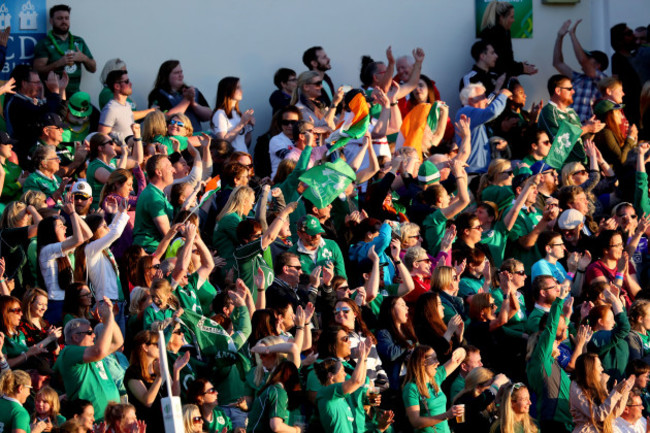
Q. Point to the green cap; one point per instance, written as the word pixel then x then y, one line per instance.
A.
pixel 605 105
pixel 310 225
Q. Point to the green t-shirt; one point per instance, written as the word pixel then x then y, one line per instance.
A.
pixel 187 295
pixel 38 182
pixel 152 314
pixel 53 48
pixel 252 389
pixel 248 258
pixel 496 240
pixel 273 402
pixel 434 226
pixel 96 185
pixel 15 345
pixel 436 404
pixel 169 144
pixel 152 203
pixel 86 380
pixel 13 415
pixel 225 240
pixel 11 189
pixel 219 421
pixel 645 339
pixel 525 223
pixel 469 286
pixel 76 133
pixel 338 412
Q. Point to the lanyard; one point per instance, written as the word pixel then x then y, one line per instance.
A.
pixel 50 35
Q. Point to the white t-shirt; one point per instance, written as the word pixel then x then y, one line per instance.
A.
pixel 279 146
pixel 221 123
pixel 50 270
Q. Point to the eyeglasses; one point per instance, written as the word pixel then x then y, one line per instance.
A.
pixel 432 360
pixel 156 266
pixel 152 343
pixel 85 295
pixel 127 81
pixel 197 419
pixel 317 83
pixel 620 244
pixel 567 88
pixel 561 244
pixel 478 227
pixel 342 310
pixel 633 216
pixel 428 260
pixel 177 123
pixel 289 122
pixel 56 158
pixel 519 385
pixel 55 127
pixel 580 172
pixel 546 142
pixel 456 277
pixel 81 197
pixel 256 236
pixel 415 236
pixel 179 331
pixel 210 391
pixel 15 310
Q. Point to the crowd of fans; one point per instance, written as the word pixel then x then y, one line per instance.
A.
pixel 485 270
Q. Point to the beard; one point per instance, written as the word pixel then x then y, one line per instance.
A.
pixel 60 30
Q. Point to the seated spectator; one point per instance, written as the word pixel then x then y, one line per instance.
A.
pixel 47 407
pixel 15 386
pixel 121 418
pixel 631 420
pixel 44 179
pixel 37 330
pixel 81 411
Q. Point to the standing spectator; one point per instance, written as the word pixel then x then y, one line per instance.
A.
pixel 514 410
pixel 495 30
pixel 117 116
pixel 63 52
pixel 316 60
pixel 623 43
pixel 632 420
pixel 285 80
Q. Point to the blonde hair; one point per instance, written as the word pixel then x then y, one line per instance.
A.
pixel 188 413
pixel 34 198
pixel 137 295
pixel 507 415
pixel 259 369
pixel 154 124
pixel 29 297
pixel 115 413
pixel 236 201
pixel 187 123
pixel 11 380
pixel 11 214
pixel 638 311
pixel 52 398
pixel 644 102
pixel 111 65
pixel 302 80
pixel 494 10
pixel 568 170
pixel 416 371
pixel 164 286
pixel 477 377
pixel 495 168
pixel 406 230
pixel 441 278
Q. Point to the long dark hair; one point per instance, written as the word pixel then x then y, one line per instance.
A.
pixel 47 236
pixel 263 324
pixel 286 373
pixel 426 313
pixel 71 303
pixel 225 91
pixel 360 326
pixel 162 80
pixel 405 337
pixel 431 93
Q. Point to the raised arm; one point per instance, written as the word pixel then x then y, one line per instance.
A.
pixel 102 347
pixel 414 78
pixel 511 217
pixel 463 200
pixel 358 377
pixel 587 66
pixel 558 57
pixel 185 253
pixel 275 227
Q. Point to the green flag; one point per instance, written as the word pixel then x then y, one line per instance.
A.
pixel 566 137
pixel 327 181
pixel 206 334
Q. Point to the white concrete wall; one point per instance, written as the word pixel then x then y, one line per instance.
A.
pixel 251 39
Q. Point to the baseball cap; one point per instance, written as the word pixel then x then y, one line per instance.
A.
pixel 570 219
pixel 83 188
pixel 540 167
pixel 79 104
pixel 310 225
pixel 6 138
pixel 52 119
pixel 605 105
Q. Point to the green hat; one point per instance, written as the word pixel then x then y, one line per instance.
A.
pixel 310 225
pixel 605 105
pixel 79 104
pixel 502 196
pixel 428 173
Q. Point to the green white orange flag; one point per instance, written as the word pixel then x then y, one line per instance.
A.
pixel 354 126
pixel 567 136
pixel 211 187
pixel 327 181
pixel 411 133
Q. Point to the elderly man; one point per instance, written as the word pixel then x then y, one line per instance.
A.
pixel 81 364
pixel 632 420
pixel 313 250
pixel 476 108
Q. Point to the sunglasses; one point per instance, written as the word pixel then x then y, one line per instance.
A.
pixel 342 310
pixel 197 419
pixel 80 197
pixel 107 142
pixel 177 123
pixel 210 391
pixel 428 260
pixel 127 81
pixel 16 310
pixel 89 332
pixel 580 172
pixel 343 288
pixel 317 83
pixel 179 331
pixel 289 122
pixel 508 172
pixel 630 216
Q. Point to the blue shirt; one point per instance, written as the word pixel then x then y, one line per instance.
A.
pixel 543 267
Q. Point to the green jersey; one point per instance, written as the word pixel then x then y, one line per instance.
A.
pixel 152 203
pixel 13 416
pixel 435 404
pixel 273 402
